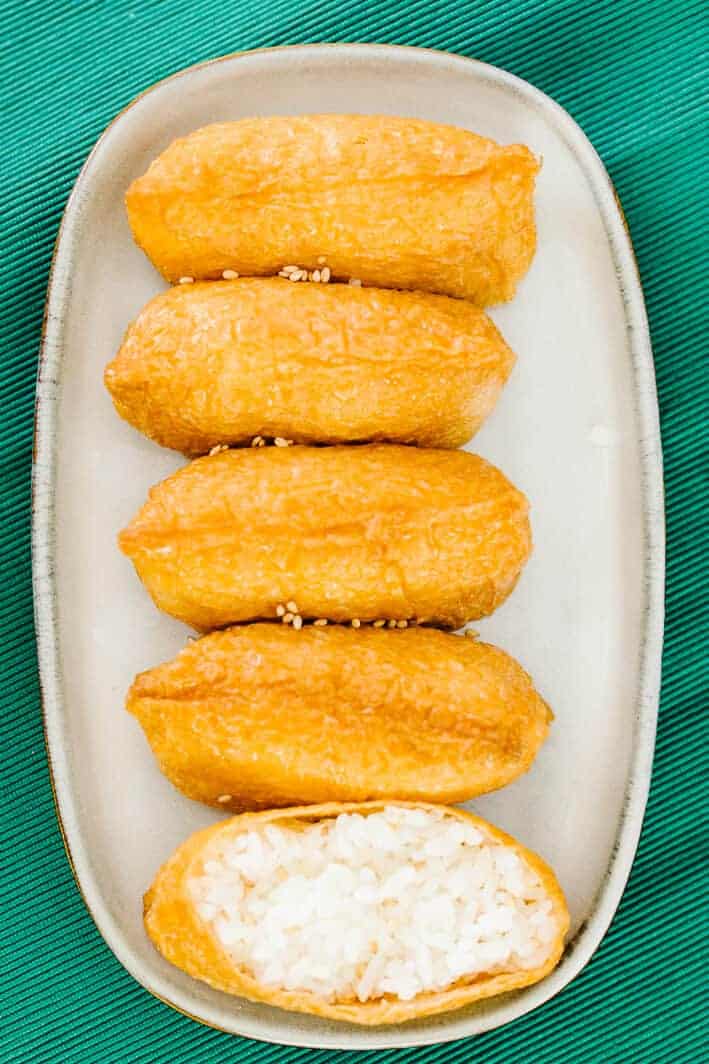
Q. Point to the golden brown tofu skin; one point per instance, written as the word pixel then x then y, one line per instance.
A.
pixel 187 941
pixel 224 362
pixel 394 202
pixel 262 715
pixel 366 532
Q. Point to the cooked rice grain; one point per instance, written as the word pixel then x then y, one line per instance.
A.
pixel 398 902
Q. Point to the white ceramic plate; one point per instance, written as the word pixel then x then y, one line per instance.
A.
pixel 577 429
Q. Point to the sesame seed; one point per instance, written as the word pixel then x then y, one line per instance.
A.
pixel 257 441
pixel 291 606
pixel 229 275
pixel 391 624
pixel 325 275
pixel 379 624
pixel 297 622
pixel 281 442
pixel 356 622
pixel 315 276
pixel 301 275
pixel 290 269
pixel 402 624
pixel 320 623
pixel 224 798
pixel 280 609
pixel 355 282
pixel 186 280
pixel 287 618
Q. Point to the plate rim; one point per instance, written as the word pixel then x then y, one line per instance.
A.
pixel 582 946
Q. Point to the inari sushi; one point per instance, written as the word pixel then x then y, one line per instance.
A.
pixel 231 361
pixel 370 913
pixel 358 533
pixel 393 202
pixel 263 715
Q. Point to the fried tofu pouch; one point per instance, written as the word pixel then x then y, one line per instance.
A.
pixel 187 941
pixel 366 532
pixel 224 362
pixel 262 715
pixel 394 202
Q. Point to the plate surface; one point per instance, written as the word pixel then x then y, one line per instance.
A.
pixel 577 429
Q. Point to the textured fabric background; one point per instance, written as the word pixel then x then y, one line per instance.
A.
pixel 632 74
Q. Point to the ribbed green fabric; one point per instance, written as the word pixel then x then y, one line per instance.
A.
pixel 632 73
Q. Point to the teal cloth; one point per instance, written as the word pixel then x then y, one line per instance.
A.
pixel 634 76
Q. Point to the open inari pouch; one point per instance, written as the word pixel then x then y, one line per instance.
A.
pixel 369 913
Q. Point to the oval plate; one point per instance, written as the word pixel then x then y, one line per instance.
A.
pixel 577 429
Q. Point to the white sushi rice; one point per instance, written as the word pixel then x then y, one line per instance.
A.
pixel 356 907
